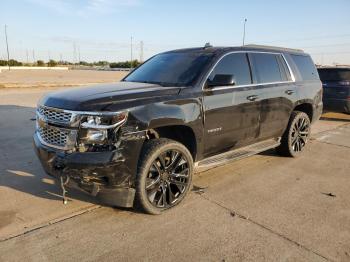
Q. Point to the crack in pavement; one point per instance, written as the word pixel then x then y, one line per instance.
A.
pixel 241 216
pixel 332 144
pixel 329 130
pixel 52 222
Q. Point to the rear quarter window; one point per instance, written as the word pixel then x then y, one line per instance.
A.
pixel 306 67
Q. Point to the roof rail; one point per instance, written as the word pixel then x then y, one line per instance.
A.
pixel 274 47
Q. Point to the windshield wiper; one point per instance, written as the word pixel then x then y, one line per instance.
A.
pixel 164 84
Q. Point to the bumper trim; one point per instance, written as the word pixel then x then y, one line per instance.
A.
pixel 121 197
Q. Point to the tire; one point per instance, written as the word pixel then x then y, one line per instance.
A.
pixel 164 175
pixel 296 135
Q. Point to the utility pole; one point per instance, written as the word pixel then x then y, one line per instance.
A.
pixel 141 51
pixel 79 54
pixel 7 46
pixel 33 57
pixel 130 53
pixel 74 53
pixel 27 53
pixel 245 21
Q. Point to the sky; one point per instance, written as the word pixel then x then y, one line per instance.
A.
pixel 94 30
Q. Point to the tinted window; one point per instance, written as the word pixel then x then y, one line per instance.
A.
pixel 336 74
pixel 267 68
pixel 306 67
pixel 236 65
pixel 171 69
pixel 284 69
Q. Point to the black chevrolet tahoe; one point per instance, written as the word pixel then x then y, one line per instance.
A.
pixel 137 143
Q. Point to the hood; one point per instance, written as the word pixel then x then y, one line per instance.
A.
pixel 107 97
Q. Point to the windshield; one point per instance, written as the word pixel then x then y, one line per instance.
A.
pixel 171 69
pixel 334 74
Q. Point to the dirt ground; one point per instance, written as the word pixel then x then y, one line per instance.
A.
pixel 262 208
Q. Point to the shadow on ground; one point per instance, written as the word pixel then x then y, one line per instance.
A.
pixel 19 167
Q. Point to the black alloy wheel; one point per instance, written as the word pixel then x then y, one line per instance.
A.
pixel 300 133
pixel 296 135
pixel 164 175
pixel 167 179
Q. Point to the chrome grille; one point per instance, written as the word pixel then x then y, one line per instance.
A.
pixel 54 136
pixel 54 115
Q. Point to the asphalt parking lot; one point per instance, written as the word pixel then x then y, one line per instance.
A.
pixel 262 208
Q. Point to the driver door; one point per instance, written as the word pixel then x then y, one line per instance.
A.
pixel 231 112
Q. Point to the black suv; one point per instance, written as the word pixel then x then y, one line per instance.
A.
pixel 336 88
pixel 138 142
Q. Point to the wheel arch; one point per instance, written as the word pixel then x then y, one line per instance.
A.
pixel 181 133
pixel 305 107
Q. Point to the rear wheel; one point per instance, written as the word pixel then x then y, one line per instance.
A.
pixel 164 175
pixel 296 135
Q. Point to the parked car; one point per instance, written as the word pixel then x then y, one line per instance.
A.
pixel 138 142
pixel 336 88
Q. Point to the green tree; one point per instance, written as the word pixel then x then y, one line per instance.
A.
pixel 40 63
pixel 13 62
pixel 125 64
pixel 52 63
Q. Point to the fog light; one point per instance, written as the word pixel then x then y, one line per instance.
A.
pixel 96 136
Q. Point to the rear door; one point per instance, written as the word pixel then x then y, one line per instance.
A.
pixel 231 112
pixel 278 92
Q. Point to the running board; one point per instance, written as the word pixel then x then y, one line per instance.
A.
pixel 235 154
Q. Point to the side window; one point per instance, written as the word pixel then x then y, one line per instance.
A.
pixel 236 65
pixel 267 68
pixel 306 67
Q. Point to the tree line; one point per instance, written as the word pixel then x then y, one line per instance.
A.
pixel 53 63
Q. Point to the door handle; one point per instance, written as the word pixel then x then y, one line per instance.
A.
pixel 252 98
pixel 289 92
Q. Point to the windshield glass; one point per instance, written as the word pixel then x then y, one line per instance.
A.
pixel 334 74
pixel 171 69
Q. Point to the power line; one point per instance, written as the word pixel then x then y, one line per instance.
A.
pixel 342 44
pixel 330 53
pixel 308 38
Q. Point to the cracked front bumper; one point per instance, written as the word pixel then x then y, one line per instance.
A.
pixel 105 175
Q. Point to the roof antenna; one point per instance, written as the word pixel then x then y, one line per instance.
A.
pixel 207 45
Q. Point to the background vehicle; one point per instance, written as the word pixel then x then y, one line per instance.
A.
pixel 336 88
pixel 138 142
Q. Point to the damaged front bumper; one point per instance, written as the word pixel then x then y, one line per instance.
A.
pixel 105 175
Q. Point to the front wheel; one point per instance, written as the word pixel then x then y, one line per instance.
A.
pixel 296 135
pixel 164 175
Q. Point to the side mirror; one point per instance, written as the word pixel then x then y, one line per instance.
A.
pixel 222 80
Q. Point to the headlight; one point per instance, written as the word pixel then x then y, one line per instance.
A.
pixel 96 128
pixel 104 121
pixel 94 136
